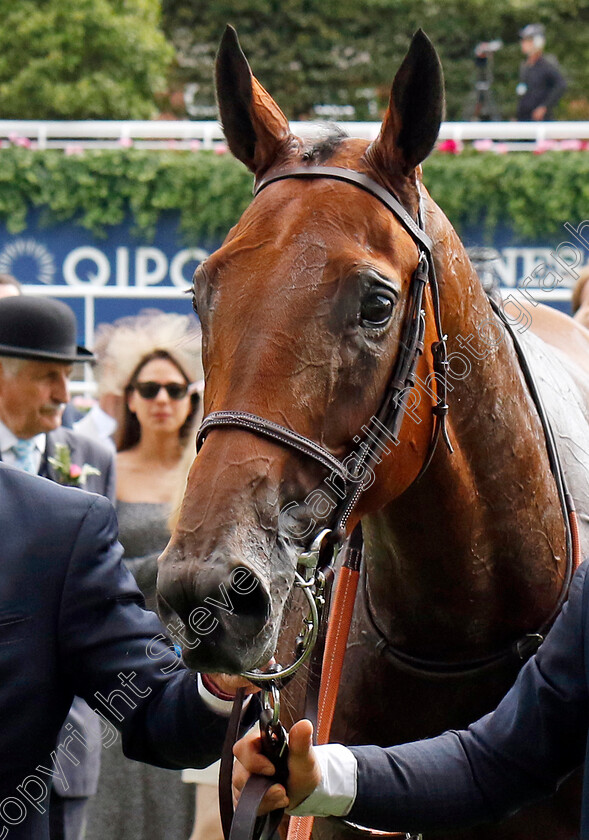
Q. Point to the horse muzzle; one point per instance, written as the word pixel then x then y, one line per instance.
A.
pixel 219 616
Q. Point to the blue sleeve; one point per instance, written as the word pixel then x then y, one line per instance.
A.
pixel 515 755
pixel 116 656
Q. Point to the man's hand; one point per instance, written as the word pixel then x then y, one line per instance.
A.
pixel 303 770
pixel 227 684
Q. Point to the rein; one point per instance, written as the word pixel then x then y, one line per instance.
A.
pixel 525 647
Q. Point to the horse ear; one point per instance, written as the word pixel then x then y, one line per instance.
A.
pixel 416 107
pixel 256 130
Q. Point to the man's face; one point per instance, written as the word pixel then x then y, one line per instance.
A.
pixel 8 290
pixel 32 399
pixel 528 47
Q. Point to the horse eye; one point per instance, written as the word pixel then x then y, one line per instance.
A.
pixel 194 307
pixel 376 310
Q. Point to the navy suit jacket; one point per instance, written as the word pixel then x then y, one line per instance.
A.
pixel 83 450
pixel 72 623
pixel 83 777
pixel 517 754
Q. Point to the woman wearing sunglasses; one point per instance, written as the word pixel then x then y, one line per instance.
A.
pixel 152 361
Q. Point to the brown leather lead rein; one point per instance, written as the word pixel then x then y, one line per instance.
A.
pixel 243 822
pixel 341 613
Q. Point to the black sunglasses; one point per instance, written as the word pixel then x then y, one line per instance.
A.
pixel 150 390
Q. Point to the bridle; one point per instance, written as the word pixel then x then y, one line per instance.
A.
pixel 386 423
pixel 384 426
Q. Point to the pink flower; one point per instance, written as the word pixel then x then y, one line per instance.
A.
pixel 483 145
pixel 195 145
pixel 220 148
pixel 73 149
pixel 75 471
pixel 501 148
pixel 451 147
pixel 571 145
pixel 545 146
pixel 125 142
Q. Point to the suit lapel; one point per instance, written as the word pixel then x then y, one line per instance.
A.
pixel 51 440
pixel 46 470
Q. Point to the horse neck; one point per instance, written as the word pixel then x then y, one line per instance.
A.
pixel 474 551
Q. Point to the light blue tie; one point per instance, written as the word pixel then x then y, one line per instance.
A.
pixel 24 452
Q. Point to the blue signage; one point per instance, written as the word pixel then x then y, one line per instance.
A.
pixel 123 273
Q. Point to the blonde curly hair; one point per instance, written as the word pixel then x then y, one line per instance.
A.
pixel 121 346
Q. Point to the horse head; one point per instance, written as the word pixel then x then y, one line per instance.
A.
pixel 302 311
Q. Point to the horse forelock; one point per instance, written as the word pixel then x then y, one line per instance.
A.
pixel 320 150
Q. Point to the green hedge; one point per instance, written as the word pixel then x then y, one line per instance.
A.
pixel 532 194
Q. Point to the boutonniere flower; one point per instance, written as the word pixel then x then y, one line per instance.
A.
pixel 70 474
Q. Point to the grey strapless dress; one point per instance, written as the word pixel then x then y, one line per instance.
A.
pixel 137 801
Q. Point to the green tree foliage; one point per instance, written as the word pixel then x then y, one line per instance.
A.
pixel 531 194
pixel 345 52
pixel 81 59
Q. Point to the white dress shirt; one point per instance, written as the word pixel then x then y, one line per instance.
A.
pixel 8 439
pixel 336 792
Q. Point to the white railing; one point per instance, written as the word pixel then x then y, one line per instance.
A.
pixel 191 134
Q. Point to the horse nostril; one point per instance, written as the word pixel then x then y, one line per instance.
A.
pixel 241 602
pixel 253 605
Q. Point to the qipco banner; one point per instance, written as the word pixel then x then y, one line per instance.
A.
pixel 123 273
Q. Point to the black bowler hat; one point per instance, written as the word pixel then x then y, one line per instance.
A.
pixel 39 328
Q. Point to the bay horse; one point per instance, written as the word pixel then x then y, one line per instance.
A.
pixel 303 311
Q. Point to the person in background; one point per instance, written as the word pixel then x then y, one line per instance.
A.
pixel 541 83
pixel 105 416
pixel 152 359
pixel 37 352
pixel 9 286
pixel 580 298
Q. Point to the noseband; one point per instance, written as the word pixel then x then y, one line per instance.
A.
pixel 386 423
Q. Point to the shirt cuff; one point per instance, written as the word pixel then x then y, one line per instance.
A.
pixel 336 792
pixel 215 704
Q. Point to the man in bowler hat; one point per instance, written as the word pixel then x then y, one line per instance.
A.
pixel 37 352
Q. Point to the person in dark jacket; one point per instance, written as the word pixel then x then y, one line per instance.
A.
pixel 37 354
pixel 513 756
pixel 72 622
pixel 541 83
